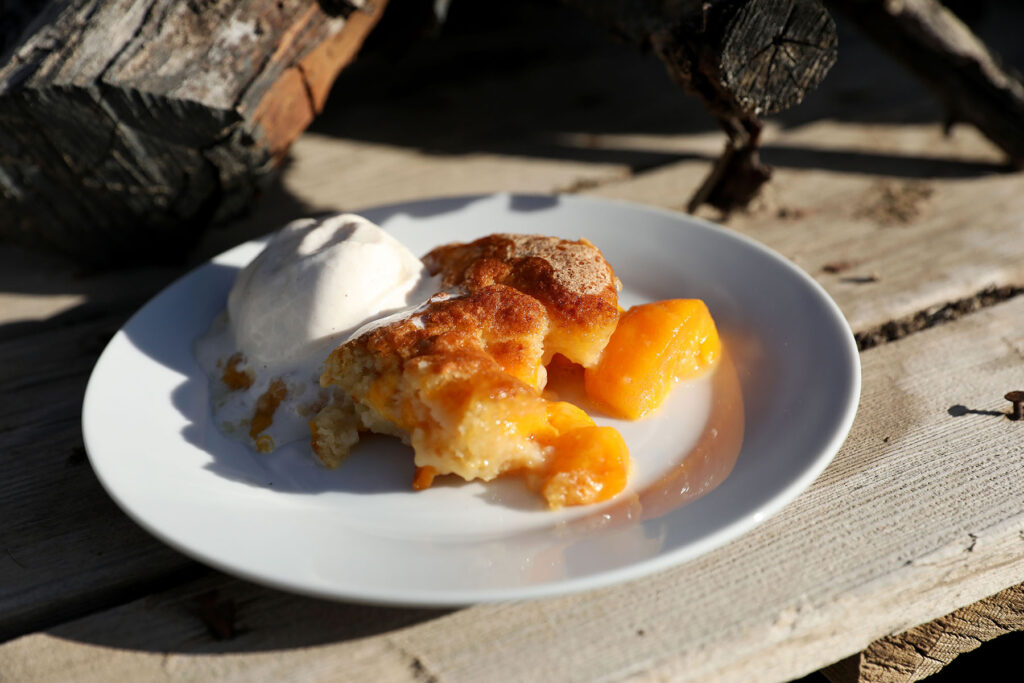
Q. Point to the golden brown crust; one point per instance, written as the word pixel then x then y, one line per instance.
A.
pixel 497 321
pixel 572 279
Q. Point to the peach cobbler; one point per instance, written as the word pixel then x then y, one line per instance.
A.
pixel 460 378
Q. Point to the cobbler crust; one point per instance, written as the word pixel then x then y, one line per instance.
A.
pixel 460 379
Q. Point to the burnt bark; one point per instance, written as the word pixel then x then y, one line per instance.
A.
pixel 126 128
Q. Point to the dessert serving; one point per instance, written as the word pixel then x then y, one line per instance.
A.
pixel 451 356
pixel 723 452
pixel 460 379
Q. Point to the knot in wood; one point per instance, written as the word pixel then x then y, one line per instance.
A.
pixel 773 52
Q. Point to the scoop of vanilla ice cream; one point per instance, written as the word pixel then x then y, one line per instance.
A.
pixel 319 279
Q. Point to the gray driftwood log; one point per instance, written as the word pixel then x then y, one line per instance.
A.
pixel 950 60
pixel 742 58
pixel 128 126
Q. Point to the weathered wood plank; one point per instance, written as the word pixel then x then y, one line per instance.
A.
pixel 903 218
pixel 885 244
pixel 921 512
pixel 334 174
pixel 65 548
pixel 350 173
pixel 36 285
pixel 903 256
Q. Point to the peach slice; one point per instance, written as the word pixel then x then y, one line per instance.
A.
pixel 653 346
pixel 589 464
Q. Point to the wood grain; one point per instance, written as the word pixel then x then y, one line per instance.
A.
pixel 824 228
pixel 65 547
pixel 887 538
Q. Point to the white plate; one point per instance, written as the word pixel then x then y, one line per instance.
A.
pixel 359 532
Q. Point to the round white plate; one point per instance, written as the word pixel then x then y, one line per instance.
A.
pixel 360 533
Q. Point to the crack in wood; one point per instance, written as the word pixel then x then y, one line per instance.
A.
pixel 936 315
pixel 417 669
pixel 78 22
pixel 13 558
pixel 974 542
pixel 304 78
pixel 132 43
pixel 926 658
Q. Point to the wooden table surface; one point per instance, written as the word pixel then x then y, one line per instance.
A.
pixel 919 238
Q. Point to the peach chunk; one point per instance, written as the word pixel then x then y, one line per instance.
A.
pixel 588 465
pixel 565 417
pixel 654 345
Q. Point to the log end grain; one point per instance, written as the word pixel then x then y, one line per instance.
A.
pixel 776 51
